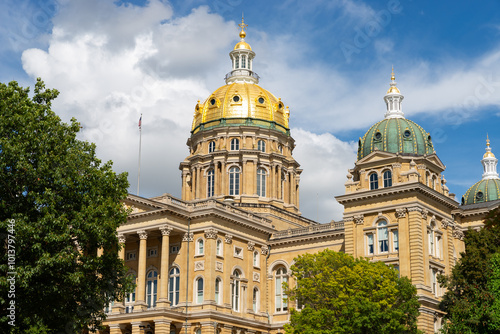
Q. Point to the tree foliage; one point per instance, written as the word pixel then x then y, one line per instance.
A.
pixel 340 294
pixel 59 204
pixel 472 301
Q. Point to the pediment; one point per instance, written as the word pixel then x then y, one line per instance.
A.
pixel 376 156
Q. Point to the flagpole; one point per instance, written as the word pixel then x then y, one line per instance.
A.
pixel 140 144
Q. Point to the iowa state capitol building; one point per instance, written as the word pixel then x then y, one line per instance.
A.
pixel 214 261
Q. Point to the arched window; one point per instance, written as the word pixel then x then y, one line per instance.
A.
pixel 283 179
pixel 211 147
pixel 219 247
pixel 200 247
pixel 373 181
pixel 151 288
pixel 280 148
pixel 234 181
pixel 130 298
pixel 256 259
pixel 383 236
pixel 210 183
pixel 387 179
pixel 255 300
pixel 261 146
pixel 433 182
pixel 218 291
pixel 199 290
pixel 235 144
pixel 173 286
pixel 261 182
pixel 280 296
pixel 235 291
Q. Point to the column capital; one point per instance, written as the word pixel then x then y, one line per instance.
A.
pixel 165 229
pixel 228 238
pixel 251 245
pixel 121 238
pixel 188 236
pixel 143 235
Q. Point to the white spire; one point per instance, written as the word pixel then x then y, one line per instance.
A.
pixel 393 100
pixel 489 162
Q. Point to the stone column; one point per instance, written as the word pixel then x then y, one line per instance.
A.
pixel 120 307
pixel 141 274
pixel 207 327
pixel 136 329
pixel 223 176
pixel 198 183
pixel 227 329
pixel 165 245
pixel 162 326
pixel 115 329
pixel 278 195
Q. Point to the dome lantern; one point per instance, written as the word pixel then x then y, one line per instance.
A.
pixel 489 163
pixel 393 100
pixel 242 60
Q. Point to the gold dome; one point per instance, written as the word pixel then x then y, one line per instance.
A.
pixel 242 45
pixel 241 103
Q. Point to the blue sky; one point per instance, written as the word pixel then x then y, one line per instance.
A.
pixel 330 61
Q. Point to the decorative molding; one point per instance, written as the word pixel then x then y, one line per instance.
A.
pixel 121 238
pixel 165 229
pixel 445 223
pixel 219 266
pixel 458 234
pixel 424 213
pixel 359 219
pixel 228 238
pixel 143 235
pixel 421 167
pixel 348 219
pixel 199 265
pixel 401 213
pixel 251 245
pixel 188 236
pixel 396 165
pixel 414 208
pixel 211 233
pixel 264 250
pixel 256 277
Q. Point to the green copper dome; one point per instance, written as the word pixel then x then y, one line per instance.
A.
pixel 395 135
pixel 485 190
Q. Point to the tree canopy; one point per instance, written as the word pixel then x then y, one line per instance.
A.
pixel 472 300
pixel 58 205
pixel 340 294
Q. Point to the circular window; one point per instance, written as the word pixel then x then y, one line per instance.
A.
pixel 378 136
pixel 212 101
pixel 236 98
pixel 479 195
pixel 429 138
pixel 407 133
pixel 280 106
pixel 261 100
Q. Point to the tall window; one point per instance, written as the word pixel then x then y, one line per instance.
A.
pixel 234 181
pixel 235 144
pixel 200 247
pixel 280 296
pixel 256 259
pixel 173 286
pixel 369 241
pixel 199 290
pixel 130 299
pixel 383 236
pixel 431 239
pixel 218 247
pixel 255 300
pixel 395 240
pixel 211 147
pixel 243 61
pixel 218 290
pixel 434 282
pixel 237 62
pixel 261 146
pixel 151 288
pixel 387 179
pixel 210 183
pixel 261 182
pixel 438 246
pixel 235 291
pixel 373 181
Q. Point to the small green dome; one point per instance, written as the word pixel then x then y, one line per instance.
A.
pixel 395 135
pixel 486 190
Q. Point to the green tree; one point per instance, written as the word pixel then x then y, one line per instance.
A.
pixel 472 298
pixel 340 294
pixel 58 205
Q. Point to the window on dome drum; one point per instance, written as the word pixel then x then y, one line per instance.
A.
pixel 236 99
pixel 234 181
pixel 261 182
pixel 237 62
pixel 199 290
pixel 369 244
pixel 407 134
pixel 200 247
pixel 255 300
pixel 212 101
pixel 261 100
pixel 261 146
pixel 281 305
pixel 210 183
pixel 235 144
pixel 151 288
pixel 373 181
pixel 173 286
pixel 218 247
pixel 387 179
pixel 383 236
pixel 280 148
pixel 130 299
pixel 479 196
pixel 243 61
pixel 211 147
pixel 218 290
pixel 235 291
pixel 378 136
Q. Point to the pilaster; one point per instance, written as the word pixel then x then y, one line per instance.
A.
pixel 416 245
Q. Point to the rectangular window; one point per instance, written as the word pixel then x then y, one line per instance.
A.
pixel 395 241
pixel 152 252
pixel 383 240
pixel 438 247
pixel 174 249
pixel 369 238
pixel 131 256
pixel 434 281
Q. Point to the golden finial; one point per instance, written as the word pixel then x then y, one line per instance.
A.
pixel 392 74
pixel 487 140
pixel 243 26
pixel 488 153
